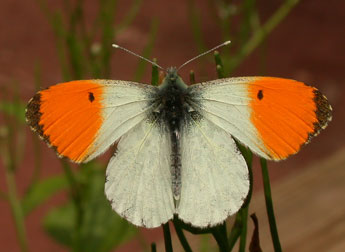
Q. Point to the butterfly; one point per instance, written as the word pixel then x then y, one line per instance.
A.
pixel 176 153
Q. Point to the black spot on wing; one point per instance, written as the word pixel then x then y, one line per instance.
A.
pixel 260 95
pixel 91 97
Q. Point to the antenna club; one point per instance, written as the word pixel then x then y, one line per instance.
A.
pixel 115 46
pixel 227 42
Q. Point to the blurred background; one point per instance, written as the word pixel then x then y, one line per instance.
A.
pixel 49 204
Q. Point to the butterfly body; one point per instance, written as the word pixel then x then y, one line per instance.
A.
pixel 175 149
pixel 172 110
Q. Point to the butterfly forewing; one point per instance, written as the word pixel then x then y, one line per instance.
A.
pixel 125 104
pixel 274 117
pixel 81 119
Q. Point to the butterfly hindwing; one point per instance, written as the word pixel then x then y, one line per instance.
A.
pixel 274 117
pixel 214 174
pixel 138 183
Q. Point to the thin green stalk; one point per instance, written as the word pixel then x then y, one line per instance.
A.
pixel 61 33
pixel 249 160
pixel 248 10
pixel 269 206
pixel 3 195
pixel 260 35
pixel 147 50
pixel 131 14
pixel 56 21
pixel 74 43
pixel 153 247
pixel 243 237
pixel 107 16
pixel 12 196
pixel 222 12
pixel 235 231
pixel 194 16
pixel 191 77
pixel 167 237
pixel 220 239
pixel 16 209
pixel 223 230
pixel 182 238
pixel 76 198
pixel 219 65
pixel 19 136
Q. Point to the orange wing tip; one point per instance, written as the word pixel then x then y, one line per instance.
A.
pixel 33 118
pixel 323 112
pixel 294 127
pixel 33 114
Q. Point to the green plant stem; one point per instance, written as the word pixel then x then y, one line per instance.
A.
pixel 167 237
pixel 235 231
pixel 269 206
pixel 131 14
pixel 191 77
pixel 76 197
pixel 243 237
pixel 15 205
pixel 220 239
pixel 223 230
pixel 3 195
pixel 154 74
pixel 260 35
pixel 153 247
pixel 16 210
pixel 195 21
pixel 182 238
pixel 107 16
pixel 147 50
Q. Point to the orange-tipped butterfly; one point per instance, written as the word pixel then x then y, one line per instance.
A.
pixel 175 151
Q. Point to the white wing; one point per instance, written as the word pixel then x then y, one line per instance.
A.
pixel 274 117
pixel 138 176
pixel 214 174
pixel 81 119
pixel 226 102
pixel 125 105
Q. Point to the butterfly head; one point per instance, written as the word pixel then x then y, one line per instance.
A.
pixel 172 80
pixel 172 74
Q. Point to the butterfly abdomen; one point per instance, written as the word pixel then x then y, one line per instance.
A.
pixel 172 114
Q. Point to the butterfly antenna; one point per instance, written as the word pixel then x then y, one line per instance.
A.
pixel 200 55
pixel 137 55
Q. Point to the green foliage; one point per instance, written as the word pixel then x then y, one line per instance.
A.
pixel 41 191
pixel 101 229
pixel 15 109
